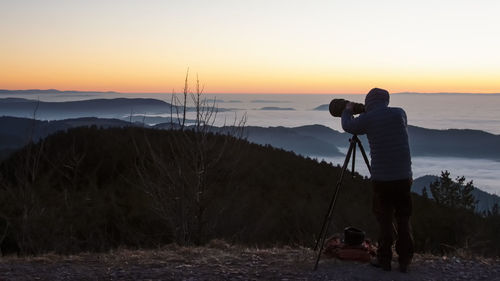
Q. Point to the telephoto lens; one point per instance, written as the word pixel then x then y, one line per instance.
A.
pixel 337 106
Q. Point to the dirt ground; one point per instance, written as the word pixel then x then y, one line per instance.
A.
pixel 220 261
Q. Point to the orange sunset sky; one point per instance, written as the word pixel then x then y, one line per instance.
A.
pixel 280 46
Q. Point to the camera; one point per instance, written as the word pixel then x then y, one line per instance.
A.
pixel 337 107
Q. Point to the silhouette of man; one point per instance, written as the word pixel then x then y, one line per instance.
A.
pixel 391 175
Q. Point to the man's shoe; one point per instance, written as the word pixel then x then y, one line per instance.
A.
pixel 383 265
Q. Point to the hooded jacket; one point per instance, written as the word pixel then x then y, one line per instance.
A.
pixel 386 130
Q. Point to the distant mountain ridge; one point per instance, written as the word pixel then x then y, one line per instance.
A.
pixel 323 107
pixel 423 142
pixel 310 140
pixel 276 108
pixel 102 108
pixel 301 140
pixel 53 91
pixel 107 108
pixel 454 142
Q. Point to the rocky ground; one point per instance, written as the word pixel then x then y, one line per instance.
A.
pixel 220 261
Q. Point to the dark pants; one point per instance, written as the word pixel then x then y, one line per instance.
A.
pixel 391 199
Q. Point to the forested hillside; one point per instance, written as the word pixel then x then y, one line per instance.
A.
pixel 92 189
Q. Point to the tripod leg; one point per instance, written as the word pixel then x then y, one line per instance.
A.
pixel 364 155
pixel 332 201
pixel 353 140
pixel 327 220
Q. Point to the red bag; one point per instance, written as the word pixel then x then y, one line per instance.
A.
pixel 335 248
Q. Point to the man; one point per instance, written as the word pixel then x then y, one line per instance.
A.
pixel 391 175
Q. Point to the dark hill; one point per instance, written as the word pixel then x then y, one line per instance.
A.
pixel 16 132
pixel 311 140
pixel 91 189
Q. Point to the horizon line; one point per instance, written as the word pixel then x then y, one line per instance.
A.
pixel 242 93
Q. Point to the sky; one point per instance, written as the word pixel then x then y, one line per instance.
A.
pixel 243 46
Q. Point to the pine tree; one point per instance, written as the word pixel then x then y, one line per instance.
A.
pixel 494 210
pixel 424 193
pixel 466 198
pixel 455 194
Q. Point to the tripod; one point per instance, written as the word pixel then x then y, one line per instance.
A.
pixel 354 140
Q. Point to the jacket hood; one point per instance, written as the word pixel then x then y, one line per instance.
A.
pixel 376 98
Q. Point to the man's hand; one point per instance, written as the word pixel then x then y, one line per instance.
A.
pixel 349 106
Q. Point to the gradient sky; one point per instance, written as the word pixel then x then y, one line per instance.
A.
pixel 280 46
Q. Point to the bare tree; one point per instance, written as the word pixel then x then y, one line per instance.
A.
pixel 177 175
pixel 24 192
